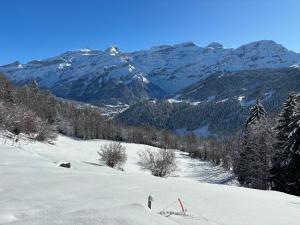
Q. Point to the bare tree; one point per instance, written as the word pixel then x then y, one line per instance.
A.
pixel 46 131
pixel 113 154
pixel 6 89
pixel 160 162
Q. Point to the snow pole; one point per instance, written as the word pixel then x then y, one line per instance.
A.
pixel 150 200
pixel 181 205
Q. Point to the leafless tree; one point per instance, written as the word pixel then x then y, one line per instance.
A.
pixel 160 162
pixel 46 131
pixel 113 154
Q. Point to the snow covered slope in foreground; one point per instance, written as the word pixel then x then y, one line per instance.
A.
pixel 35 191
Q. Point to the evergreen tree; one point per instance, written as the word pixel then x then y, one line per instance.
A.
pixel 254 156
pixel 283 130
pixel 256 113
pixel 285 118
pixel 287 171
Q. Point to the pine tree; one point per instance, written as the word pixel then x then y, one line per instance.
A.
pixel 256 113
pixel 283 130
pixel 252 156
pixel 287 172
pixel 285 118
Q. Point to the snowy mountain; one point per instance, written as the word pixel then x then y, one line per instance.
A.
pixel 114 77
pixel 36 191
pixel 87 75
pixel 176 67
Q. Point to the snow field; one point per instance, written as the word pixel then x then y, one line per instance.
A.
pixel 35 191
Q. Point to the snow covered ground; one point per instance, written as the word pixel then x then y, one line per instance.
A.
pixel 35 191
pixel 202 171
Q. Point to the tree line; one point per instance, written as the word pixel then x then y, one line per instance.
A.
pixel 41 115
pixel 265 154
pixel 27 110
pixel 269 157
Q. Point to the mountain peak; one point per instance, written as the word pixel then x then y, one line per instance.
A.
pixel 270 44
pixel 215 45
pixel 186 44
pixel 113 50
pixel 168 47
pixel 14 64
pixel 264 42
pixel 85 50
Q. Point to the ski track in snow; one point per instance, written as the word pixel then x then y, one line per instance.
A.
pixel 35 191
pixel 202 171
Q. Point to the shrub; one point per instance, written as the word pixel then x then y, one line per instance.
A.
pixel 160 162
pixel 113 154
pixel 46 131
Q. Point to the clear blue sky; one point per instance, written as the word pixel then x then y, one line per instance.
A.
pixel 37 29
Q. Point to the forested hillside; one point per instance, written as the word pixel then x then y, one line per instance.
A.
pixel 41 116
pixel 221 102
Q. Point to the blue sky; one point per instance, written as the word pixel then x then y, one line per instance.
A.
pixel 37 29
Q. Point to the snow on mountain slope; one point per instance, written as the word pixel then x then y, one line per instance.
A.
pixel 88 75
pixel 35 191
pixel 112 76
pixel 176 67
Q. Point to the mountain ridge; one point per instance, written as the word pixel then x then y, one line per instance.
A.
pixel 114 77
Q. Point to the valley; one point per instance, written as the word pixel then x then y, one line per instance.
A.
pixel 214 77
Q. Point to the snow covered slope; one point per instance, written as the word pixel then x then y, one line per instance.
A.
pixel 35 191
pixel 112 76
pixel 178 66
